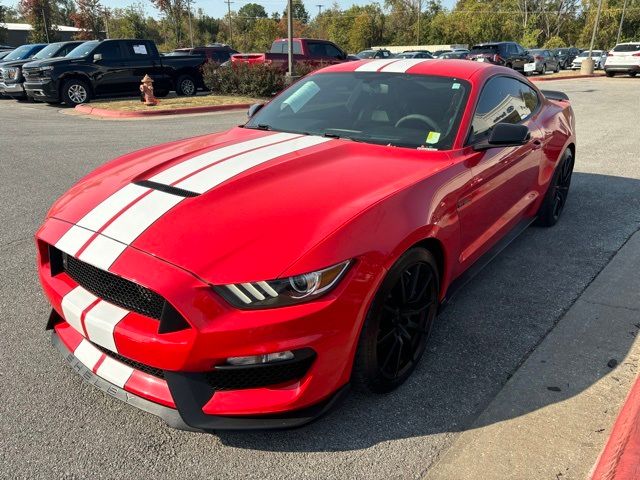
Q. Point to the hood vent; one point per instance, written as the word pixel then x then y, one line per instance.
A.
pixel 166 188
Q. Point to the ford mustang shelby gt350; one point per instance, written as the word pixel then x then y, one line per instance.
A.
pixel 245 279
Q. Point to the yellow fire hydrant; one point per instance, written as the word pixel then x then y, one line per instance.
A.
pixel 146 89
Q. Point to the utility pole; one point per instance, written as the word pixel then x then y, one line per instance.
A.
pixel 229 2
pixel 419 15
pixel 595 28
pixel 190 29
pixel 624 7
pixel 44 18
pixel 290 38
pixel 320 9
pixel 106 21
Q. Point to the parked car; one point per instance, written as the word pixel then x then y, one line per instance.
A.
pixel 437 53
pixel 624 58
pixel 598 56
pixel 203 280
pixel 111 67
pixel 454 55
pixel 4 53
pixel 566 56
pixel 5 48
pixel 11 77
pixel 305 50
pixel 545 60
pixel 369 54
pixel 509 54
pixel 218 53
pixel 414 54
pixel 9 67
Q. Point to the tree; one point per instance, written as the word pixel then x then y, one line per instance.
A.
pixel 128 23
pixel 174 12
pixel 299 12
pixel 88 18
pixel 40 14
pixel 3 19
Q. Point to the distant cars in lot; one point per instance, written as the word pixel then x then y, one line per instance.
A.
pixel 218 53
pixel 4 53
pixel 11 77
pixel 624 58
pixel 565 56
pixel 455 55
pixel 509 54
pixel 111 67
pixel 9 66
pixel 305 50
pixel 545 60
pixel 379 53
pixel 414 54
pixel 598 56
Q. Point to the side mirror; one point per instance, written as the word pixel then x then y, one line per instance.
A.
pixel 505 135
pixel 97 57
pixel 253 109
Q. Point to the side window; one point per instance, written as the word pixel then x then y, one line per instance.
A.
pixel 66 49
pixel 137 50
pixel 316 49
pixel 503 100
pixel 333 52
pixel 110 51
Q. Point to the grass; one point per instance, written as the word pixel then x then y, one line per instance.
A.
pixel 172 103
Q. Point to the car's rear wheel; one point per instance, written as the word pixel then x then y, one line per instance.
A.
pixel 632 74
pixel 398 324
pixel 610 74
pixel 75 92
pixel 556 196
pixel 186 86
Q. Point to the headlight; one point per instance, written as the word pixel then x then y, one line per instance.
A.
pixel 10 73
pixel 46 71
pixel 283 291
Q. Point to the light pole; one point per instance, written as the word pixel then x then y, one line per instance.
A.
pixel 586 67
pixel 190 29
pixel 319 9
pixel 419 15
pixel 229 2
pixel 44 19
pixel 624 7
pixel 290 38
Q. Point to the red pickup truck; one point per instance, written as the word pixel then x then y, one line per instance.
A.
pixel 305 50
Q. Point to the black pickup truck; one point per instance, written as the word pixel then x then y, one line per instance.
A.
pixel 111 68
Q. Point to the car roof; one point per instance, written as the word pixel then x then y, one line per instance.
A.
pixel 462 69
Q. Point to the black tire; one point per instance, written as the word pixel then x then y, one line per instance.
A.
pixel 610 74
pixel 557 67
pixel 396 330
pixel 186 86
pixel 544 69
pixel 556 197
pixel 508 65
pixel 633 74
pixel 75 92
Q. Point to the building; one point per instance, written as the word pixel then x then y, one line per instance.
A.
pixel 18 33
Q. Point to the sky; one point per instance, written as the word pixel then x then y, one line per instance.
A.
pixel 218 8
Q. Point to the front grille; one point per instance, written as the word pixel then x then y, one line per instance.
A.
pixel 261 375
pixel 156 372
pixel 114 289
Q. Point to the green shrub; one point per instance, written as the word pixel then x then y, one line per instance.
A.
pixel 257 80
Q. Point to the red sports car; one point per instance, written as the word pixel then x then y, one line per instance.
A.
pixel 245 279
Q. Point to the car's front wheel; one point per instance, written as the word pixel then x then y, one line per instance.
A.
pixel 75 92
pixel 395 333
pixel 556 196
pixel 609 73
pixel 186 86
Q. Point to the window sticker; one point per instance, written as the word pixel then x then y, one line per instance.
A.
pixel 433 137
pixel 455 86
pixel 298 99
pixel 140 49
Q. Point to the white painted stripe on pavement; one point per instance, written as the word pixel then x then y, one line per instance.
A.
pixel 73 240
pixel 102 252
pixel 176 172
pixel 105 211
pixel 401 66
pixel 87 354
pixel 73 304
pixel 135 220
pixel 221 172
pixel 101 321
pixel 115 372
pixel 374 65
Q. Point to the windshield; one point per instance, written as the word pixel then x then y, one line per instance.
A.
pixel 633 47
pixel 366 54
pixel 20 53
pixel 83 50
pixel 48 51
pixel 384 108
pixel 485 49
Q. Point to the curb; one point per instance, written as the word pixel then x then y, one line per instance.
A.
pixel 545 79
pixel 620 459
pixel 103 112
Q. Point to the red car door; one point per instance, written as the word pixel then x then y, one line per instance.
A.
pixel 504 181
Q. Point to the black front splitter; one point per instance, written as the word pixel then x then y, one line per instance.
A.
pixel 189 393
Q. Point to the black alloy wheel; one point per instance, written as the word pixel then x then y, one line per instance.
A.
pixel 398 325
pixel 556 197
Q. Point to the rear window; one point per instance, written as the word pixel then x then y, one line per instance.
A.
pixel 627 48
pixel 283 47
pixel 485 49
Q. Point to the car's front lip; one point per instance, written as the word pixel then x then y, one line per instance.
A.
pixel 11 88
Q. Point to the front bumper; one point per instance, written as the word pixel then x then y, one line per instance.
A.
pixel 329 326
pixel 42 90
pixel 12 89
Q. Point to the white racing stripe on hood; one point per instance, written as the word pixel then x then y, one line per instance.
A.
pixel 96 218
pixel 401 66
pixel 221 172
pixel 176 172
pixel 102 252
pixel 375 65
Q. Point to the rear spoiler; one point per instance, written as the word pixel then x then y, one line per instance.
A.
pixel 555 95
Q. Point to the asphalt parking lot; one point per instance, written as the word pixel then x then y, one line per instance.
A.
pixel 55 426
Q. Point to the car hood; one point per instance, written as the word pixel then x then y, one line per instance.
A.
pixel 13 63
pixel 253 214
pixel 45 62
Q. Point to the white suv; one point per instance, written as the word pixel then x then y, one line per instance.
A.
pixel 624 58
